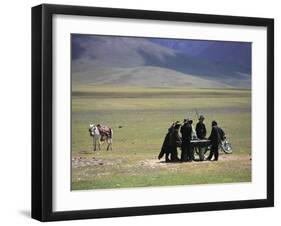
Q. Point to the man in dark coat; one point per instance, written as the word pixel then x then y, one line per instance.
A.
pixel 165 150
pixel 201 128
pixel 215 139
pixel 201 134
pixel 186 134
pixel 175 141
pixel 221 133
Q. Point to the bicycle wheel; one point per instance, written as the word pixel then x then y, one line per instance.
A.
pixel 226 147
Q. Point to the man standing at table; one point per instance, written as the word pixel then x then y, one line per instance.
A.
pixel 174 142
pixel 215 139
pixel 201 134
pixel 186 133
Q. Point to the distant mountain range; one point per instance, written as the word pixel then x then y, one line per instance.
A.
pixel 238 53
pixel 160 62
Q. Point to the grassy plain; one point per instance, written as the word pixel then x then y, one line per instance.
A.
pixel 140 118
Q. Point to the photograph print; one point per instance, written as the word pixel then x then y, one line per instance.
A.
pixel 150 112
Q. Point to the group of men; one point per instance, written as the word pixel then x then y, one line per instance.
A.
pixel 173 140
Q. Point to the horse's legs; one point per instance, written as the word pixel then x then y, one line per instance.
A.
pixel 94 143
pixel 99 142
pixel 107 145
pixel 109 142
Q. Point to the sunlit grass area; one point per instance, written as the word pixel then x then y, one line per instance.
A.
pixel 140 118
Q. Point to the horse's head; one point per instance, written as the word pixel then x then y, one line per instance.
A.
pixel 93 129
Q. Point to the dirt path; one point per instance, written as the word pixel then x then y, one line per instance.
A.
pixel 151 163
pixel 223 158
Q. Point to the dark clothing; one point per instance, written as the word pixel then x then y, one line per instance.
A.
pixel 174 142
pixel 174 154
pixel 201 130
pixel 190 152
pixel 186 133
pixel 215 139
pixel 165 147
pixel 221 133
pixel 187 153
pixel 201 134
pixel 214 151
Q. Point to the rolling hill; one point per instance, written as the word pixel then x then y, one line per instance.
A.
pixel 144 62
pixel 145 76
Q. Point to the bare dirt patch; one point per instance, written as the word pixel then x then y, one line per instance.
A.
pixel 155 163
pixel 93 161
pixel 151 163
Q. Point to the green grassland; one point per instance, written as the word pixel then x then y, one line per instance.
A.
pixel 140 118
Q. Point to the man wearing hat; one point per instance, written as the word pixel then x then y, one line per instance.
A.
pixel 186 133
pixel 201 128
pixel 166 150
pixel 201 134
pixel 175 141
pixel 215 139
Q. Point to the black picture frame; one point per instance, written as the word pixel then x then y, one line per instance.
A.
pixel 42 107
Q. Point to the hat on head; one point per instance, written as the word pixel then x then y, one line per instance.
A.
pixel 201 117
pixel 177 123
pixel 214 123
pixel 177 126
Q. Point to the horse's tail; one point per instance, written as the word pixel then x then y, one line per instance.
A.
pixel 110 133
